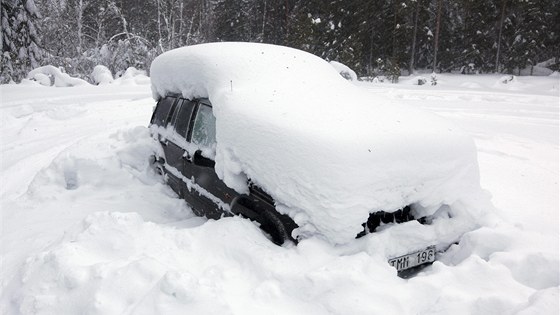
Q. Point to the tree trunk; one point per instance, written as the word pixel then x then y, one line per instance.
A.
pixel 287 22
pixel 370 64
pixel 413 48
pixel 181 26
pixel 263 22
pixel 160 43
pixel 80 12
pixel 396 8
pixel 500 35
pixel 436 39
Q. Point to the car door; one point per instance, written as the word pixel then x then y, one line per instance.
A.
pixel 214 196
pixel 164 117
pixel 174 144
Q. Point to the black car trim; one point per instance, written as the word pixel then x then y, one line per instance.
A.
pixel 191 122
pixel 191 184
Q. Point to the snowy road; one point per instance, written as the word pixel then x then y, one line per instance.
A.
pixel 87 228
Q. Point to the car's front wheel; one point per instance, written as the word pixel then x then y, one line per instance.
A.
pixel 271 222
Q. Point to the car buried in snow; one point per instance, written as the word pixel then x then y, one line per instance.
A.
pixel 276 135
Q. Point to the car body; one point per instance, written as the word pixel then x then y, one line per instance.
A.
pixel 278 136
pixel 179 123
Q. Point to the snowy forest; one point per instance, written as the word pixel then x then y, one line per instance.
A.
pixel 371 36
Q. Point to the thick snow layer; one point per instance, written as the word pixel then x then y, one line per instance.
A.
pixel 344 70
pixel 132 76
pixel 327 151
pixel 102 75
pixel 88 228
pixel 61 79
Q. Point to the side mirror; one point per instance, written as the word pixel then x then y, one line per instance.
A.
pixel 200 160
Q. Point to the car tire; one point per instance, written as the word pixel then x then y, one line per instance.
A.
pixel 268 219
pixel 273 226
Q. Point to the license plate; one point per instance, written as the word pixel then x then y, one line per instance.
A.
pixel 404 262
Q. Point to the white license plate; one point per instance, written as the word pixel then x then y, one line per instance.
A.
pixel 404 262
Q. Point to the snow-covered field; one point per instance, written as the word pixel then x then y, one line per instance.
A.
pixel 88 228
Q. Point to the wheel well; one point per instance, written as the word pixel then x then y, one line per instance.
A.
pixel 278 226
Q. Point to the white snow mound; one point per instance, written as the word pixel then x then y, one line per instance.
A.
pixel 344 71
pixel 102 75
pixel 61 79
pixel 327 151
pixel 133 76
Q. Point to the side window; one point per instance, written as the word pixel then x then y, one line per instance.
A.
pixel 163 109
pixel 183 117
pixel 204 130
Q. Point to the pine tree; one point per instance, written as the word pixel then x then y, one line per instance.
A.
pixel 330 30
pixel 479 33
pixel 233 20
pixel 20 39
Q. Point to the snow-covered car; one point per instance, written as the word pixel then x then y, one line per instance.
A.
pixel 276 135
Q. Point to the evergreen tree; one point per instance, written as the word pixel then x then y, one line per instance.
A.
pixel 20 39
pixel 479 33
pixel 233 20
pixel 529 34
pixel 371 36
pixel 329 30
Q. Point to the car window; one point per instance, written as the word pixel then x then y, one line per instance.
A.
pixel 183 117
pixel 163 108
pixel 204 130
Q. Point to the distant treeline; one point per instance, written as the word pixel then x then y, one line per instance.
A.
pixel 370 36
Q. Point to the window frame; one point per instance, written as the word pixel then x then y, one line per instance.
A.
pixel 199 103
pixel 169 114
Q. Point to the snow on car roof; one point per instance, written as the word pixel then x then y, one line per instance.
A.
pixel 328 151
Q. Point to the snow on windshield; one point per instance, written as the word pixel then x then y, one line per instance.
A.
pixel 327 151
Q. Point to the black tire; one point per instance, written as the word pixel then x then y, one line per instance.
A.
pixel 277 226
pixel 273 225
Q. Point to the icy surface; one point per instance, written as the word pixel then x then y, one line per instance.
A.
pixel 88 228
pixel 328 152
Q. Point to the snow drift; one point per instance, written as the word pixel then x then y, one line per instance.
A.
pixel 327 151
pixel 102 75
pixel 61 79
pixel 344 70
pixel 121 242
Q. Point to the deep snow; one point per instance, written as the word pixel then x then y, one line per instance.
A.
pixel 328 152
pixel 88 228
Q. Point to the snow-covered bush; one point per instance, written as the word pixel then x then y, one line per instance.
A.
pixel 132 76
pixel 507 79
pixel 130 72
pixel 43 79
pixel 420 80
pixel 469 69
pixel 535 70
pixel 119 55
pixel 390 68
pixel 344 71
pixel 509 82
pixel 60 78
pixel 433 78
pixel 101 75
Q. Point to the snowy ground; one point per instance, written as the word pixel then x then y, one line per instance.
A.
pixel 87 228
